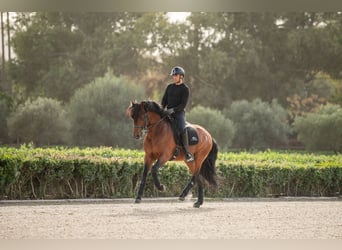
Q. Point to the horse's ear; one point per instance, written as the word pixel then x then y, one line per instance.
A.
pixel 133 103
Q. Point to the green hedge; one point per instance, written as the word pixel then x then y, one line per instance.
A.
pixel 50 173
pixel 272 174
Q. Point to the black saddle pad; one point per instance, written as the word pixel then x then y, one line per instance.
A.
pixel 192 134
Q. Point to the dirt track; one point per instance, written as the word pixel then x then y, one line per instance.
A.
pixel 170 219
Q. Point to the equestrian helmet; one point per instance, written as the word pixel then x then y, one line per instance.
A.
pixel 177 71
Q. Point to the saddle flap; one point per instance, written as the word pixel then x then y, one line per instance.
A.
pixel 192 134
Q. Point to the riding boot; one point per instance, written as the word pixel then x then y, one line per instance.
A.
pixel 189 157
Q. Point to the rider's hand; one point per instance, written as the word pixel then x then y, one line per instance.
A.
pixel 170 111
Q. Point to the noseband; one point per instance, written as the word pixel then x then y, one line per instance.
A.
pixel 144 128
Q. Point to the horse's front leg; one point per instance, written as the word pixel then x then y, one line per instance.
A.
pixel 142 184
pixel 154 173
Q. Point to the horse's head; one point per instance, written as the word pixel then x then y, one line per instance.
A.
pixel 141 119
pixel 138 113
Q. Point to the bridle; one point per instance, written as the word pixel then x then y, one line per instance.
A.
pixel 147 124
pixel 144 127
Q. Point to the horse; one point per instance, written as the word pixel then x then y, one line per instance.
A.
pixel 154 125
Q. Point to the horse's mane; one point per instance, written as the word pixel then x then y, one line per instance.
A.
pixel 149 106
pixel 155 107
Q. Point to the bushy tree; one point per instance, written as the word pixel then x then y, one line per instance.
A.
pixel 259 125
pixel 59 52
pixel 41 121
pixel 97 113
pixel 221 128
pixel 5 106
pixel 321 130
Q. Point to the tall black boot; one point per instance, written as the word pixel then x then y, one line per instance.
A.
pixel 189 157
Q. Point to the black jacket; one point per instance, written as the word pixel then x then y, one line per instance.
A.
pixel 176 97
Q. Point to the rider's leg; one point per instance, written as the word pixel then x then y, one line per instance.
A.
pixel 189 157
pixel 180 119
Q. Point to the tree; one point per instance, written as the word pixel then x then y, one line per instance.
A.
pixel 227 56
pixel 97 113
pixel 41 121
pixel 259 125
pixel 220 127
pixel 59 52
pixel 321 130
pixel 234 56
pixel 5 109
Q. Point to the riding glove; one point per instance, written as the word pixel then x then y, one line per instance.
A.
pixel 170 111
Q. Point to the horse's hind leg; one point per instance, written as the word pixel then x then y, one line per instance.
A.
pixel 199 201
pixel 187 189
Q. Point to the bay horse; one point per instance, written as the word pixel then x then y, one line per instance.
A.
pixel 154 124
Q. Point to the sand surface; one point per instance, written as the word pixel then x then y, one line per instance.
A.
pixel 172 219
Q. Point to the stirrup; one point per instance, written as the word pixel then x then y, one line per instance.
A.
pixel 189 157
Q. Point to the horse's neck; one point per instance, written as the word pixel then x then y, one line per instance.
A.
pixel 153 118
pixel 156 120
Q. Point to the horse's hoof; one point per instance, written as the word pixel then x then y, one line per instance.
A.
pixel 137 201
pixel 161 188
pixel 182 198
pixel 197 204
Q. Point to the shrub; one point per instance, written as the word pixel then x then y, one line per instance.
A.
pixel 97 113
pixel 259 125
pixel 321 130
pixel 221 128
pixel 41 121
pixel 56 172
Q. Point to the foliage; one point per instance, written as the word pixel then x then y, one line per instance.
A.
pixel 336 96
pixel 221 128
pixel 106 172
pixel 259 125
pixel 228 56
pixel 272 173
pixel 41 121
pixel 321 89
pixel 303 106
pixel 321 130
pixel 234 56
pixel 5 108
pixel 97 112
pixel 59 52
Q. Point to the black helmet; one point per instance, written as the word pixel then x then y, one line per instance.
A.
pixel 177 71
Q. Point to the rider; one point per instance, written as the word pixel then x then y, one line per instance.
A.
pixel 175 99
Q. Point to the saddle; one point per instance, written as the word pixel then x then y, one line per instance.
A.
pixel 192 137
pixel 192 134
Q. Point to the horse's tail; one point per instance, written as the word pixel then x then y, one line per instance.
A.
pixel 208 169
